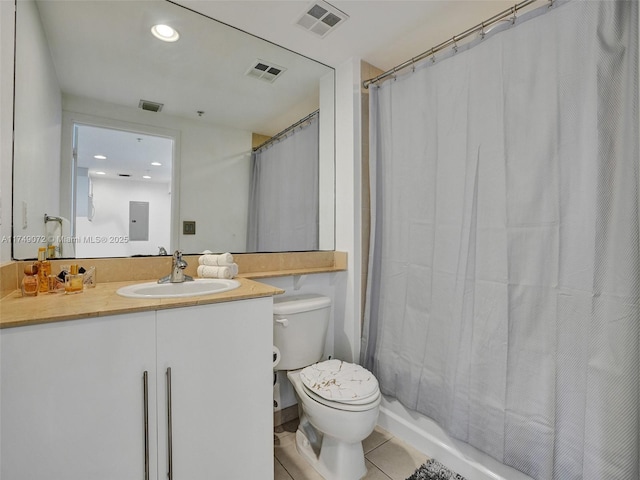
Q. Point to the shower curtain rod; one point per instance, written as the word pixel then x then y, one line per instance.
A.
pixel 287 130
pixel 454 40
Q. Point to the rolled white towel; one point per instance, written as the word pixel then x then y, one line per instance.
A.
pixel 222 271
pixel 216 260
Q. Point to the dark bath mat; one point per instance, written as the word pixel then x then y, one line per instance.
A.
pixel 434 470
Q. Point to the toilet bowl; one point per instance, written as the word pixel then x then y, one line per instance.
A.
pixel 330 433
pixel 338 402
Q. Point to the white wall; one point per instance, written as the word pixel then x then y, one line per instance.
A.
pixel 326 167
pixel 6 126
pixel 37 140
pixel 107 233
pixel 348 209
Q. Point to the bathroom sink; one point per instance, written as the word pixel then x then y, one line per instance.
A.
pixel 199 286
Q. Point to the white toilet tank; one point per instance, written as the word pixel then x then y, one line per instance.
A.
pixel 300 329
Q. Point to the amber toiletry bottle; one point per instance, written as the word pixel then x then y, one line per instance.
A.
pixel 30 282
pixel 44 269
pixel 73 281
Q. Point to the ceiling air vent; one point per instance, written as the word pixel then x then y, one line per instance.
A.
pixel 150 106
pixel 321 18
pixel 266 71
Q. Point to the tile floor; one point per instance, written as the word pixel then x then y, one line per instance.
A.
pixel 386 457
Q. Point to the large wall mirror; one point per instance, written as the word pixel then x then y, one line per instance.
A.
pixel 124 143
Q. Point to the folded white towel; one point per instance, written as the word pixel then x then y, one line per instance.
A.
pixel 223 271
pixel 216 260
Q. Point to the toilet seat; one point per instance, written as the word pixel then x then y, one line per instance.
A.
pixel 347 407
pixel 340 385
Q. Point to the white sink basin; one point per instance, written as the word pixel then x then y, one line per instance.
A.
pixel 199 286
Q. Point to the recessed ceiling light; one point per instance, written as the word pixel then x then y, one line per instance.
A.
pixel 100 173
pixel 156 164
pixel 146 176
pixel 100 157
pixel 165 33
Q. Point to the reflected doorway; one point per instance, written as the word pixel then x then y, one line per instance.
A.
pixel 112 169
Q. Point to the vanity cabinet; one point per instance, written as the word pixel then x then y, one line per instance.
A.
pixel 73 403
pixel 71 398
pixel 221 390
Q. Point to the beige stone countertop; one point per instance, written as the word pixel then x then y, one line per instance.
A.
pixel 16 310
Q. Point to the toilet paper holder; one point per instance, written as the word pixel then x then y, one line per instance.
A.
pixel 276 356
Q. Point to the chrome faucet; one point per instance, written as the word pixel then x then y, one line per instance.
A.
pixel 177 270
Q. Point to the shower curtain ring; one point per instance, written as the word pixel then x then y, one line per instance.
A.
pixel 455 45
pixel 513 18
pixel 433 56
pixel 482 32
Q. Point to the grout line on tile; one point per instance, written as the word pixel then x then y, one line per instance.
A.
pixel 376 447
pixel 383 473
pixel 283 467
pixel 373 463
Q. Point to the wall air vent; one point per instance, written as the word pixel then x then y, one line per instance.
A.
pixel 267 71
pixel 150 106
pixel 321 18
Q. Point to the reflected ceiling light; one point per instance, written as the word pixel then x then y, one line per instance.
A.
pixel 156 164
pixel 100 157
pixel 146 176
pixel 165 33
pixel 100 173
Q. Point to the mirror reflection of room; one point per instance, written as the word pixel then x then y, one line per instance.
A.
pixel 207 93
pixel 117 171
pixel 283 214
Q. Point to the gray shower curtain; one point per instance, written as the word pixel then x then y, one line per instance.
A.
pixel 503 299
pixel 284 201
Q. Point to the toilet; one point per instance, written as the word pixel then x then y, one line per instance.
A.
pixel 338 402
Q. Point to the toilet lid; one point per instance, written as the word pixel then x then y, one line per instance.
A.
pixel 340 382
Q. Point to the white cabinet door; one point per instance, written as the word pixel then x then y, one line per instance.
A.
pixel 220 358
pixel 72 399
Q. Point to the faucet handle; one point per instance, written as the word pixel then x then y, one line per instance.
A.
pixel 178 261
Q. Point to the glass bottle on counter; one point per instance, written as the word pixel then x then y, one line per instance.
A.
pixel 73 282
pixel 30 282
pixel 44 269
